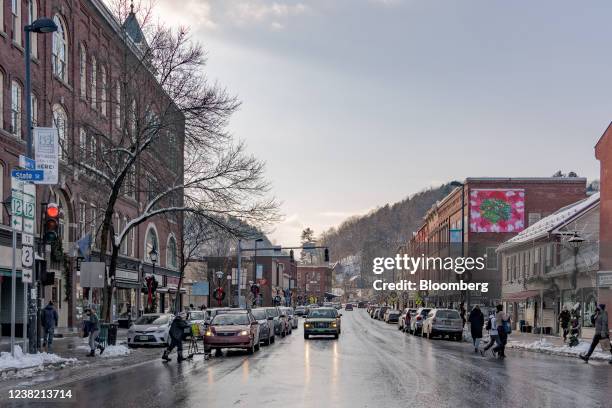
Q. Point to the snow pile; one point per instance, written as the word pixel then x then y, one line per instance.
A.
pixel 109 351
pixel 21 360
pixel 543 346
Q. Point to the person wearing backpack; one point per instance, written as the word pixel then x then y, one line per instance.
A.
pixel 503 329
pixel 492 328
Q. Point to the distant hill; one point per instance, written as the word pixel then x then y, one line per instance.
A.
pixel 381 231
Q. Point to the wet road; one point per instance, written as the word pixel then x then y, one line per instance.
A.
pixel 371 365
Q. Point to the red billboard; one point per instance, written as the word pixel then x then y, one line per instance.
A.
pixel 497 210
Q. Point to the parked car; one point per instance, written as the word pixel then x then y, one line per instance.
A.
pixel 362 305
pixel 375 313
pixel 233 329
pixel 150 329
pixel 404 321
pixel 300 310
pixel 291 317
pixel 381 312
pixel 213 311
pixel 416 323
pixel 392 315
pixel 280 324
pixel 266 327
pixel 443 322
pixel 322 321
pixel 196 317
pixel 349 306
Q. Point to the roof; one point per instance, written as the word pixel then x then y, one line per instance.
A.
pixel 548 224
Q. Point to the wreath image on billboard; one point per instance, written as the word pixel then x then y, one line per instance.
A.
pixel 497 210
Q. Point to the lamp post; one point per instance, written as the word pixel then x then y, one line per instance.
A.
pixel 42 26
pixel 462 185
pixel 153 258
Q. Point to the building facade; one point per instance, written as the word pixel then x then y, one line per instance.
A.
pixel 314 283
pixel 73 81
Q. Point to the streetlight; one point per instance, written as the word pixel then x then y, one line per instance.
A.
pixel 41 26
pixel 575 242
pixel 153 258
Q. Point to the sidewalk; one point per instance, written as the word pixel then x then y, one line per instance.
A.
pixel 554 345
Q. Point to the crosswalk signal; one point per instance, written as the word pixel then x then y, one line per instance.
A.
pixel 52 215
pixel 326 255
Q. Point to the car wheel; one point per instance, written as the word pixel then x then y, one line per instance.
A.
pixel 336 335
pixel 268 340
pixel 306 336
pixel 273 339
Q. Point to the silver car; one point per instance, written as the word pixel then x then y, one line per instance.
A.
pixel 293 319
pixel 416 323
pixel 443 322
pixel 266 326
pixel 150 329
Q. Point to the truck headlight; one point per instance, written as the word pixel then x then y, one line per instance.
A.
pixel 307 325
pixel 334 324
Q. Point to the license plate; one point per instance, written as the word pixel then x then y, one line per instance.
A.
pixel 143 338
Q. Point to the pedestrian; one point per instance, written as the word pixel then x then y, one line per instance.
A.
pixel 564 319
pixel 177 329
pixel 94 330
pixel 601 331
pixel 191 306
pixel 503 327
pixel 462 312
pixel 49 323
pixel 203 307
pixel 476 320
pixel 494 338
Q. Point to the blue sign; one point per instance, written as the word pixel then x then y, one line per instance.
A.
pixel 26 162
pixel 199 289
pixel 28 175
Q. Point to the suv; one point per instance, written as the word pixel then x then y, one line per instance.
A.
pixel 324 320
pixel 416 323
pixel 443 322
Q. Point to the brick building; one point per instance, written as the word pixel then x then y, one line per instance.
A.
pixel 603 153
pixel 314 282
pixel 494 210
pixel 74 82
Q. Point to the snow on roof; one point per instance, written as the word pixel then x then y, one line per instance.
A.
pixel 549 223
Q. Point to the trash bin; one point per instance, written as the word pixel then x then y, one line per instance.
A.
pixel 112 334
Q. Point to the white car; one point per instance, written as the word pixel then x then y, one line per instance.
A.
pixel 150 329
pixel 443 322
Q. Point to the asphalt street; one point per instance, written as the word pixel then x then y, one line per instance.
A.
pixel 371 365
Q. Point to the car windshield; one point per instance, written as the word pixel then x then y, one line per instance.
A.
pixel 196 316
pixel 448 314
pixel 156 320
pixel 230 319
pixel 259 314
pixel 324 313
pixel 271 312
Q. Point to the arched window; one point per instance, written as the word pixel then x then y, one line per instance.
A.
pixel 103 91
pixel 94 85
pixel 16 20
pixel 118 104
pixel 125 243
pixel 83 71
pixel 151 243
pixel 60 50
pixel 34 105
pixel 32 16
pixel 16 108
pixel 171 254
pixel 60 122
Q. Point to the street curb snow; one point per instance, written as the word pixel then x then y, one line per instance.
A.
pixel 545 347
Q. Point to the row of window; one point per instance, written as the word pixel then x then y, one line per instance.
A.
pixel 531 262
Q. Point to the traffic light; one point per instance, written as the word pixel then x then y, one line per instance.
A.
pixel 52 215
pixel 291 255
pixel 326 255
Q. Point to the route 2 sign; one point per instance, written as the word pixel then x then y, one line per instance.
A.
pixel 27 256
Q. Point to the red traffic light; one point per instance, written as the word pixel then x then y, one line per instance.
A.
pixel 53 210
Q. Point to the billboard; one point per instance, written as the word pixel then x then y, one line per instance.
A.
pixel 497 210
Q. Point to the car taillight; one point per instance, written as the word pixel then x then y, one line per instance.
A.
pixel 419 318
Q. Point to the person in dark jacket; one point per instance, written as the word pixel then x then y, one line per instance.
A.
pixel 476 320
pixel 177 328
pixel 462 312
pixel 49 323
pixel 564 319
pixel 602 331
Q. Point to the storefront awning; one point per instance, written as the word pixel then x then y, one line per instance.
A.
pixel 521 295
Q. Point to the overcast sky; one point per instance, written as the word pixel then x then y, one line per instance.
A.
pixel 357 103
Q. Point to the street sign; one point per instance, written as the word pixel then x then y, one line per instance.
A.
pixel 46 148
pixel 27 240
pixel 26 163
pixel 28 175
pixel 26 275
pixel 29 208
pixel 27 256
pixel 16 204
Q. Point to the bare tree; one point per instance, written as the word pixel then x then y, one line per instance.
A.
pixel 165 145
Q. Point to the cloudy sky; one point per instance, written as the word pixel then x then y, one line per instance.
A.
pixel 356 103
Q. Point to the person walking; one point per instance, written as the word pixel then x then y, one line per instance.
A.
pixel 602 331
pixel 501 320
pixel 494 338
pixel 49 323
pixel 94 330
pixel 476 320
pixel 564 319
pixel 462 312
pixel 177 329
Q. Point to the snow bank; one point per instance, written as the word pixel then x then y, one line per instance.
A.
pixel 21 360
pixel 109 351
pixel 543 346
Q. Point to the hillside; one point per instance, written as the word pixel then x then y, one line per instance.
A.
pixel 379 232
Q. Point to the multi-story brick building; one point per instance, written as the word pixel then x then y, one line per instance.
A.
pixel 493 210
pixel 74 81
pixel 314 282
